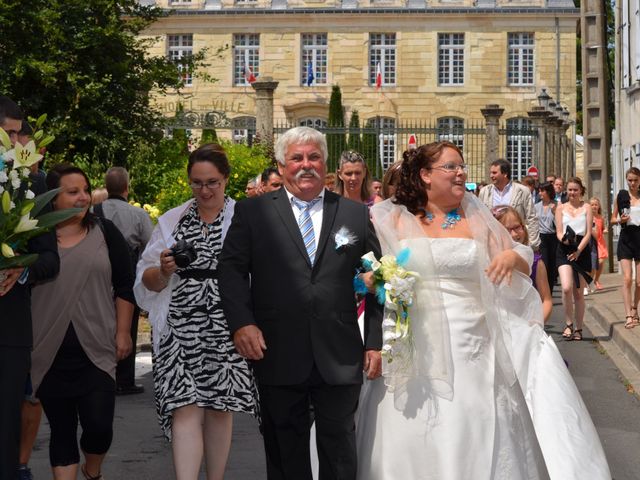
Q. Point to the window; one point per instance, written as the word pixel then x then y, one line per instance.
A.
pixel 521 58
pixel 314 58
pixel 246 2
pixel 382 51
pixel 317 123
pixel 519 146
pixel 178 2
pixel 244 129
pixel 181 47
pixel 386 141
pixel 452 130
pixel 450 58
pixel 246 58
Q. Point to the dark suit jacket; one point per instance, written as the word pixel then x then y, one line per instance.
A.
pixel 307 314
pixel 15 306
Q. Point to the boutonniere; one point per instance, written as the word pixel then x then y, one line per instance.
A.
pixel 344 237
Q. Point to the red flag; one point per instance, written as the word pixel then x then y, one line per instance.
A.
pixel 248 74
pixel 378 76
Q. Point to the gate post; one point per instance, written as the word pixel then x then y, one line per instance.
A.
pixel 492 114
pixel 264 87
pixel 537 115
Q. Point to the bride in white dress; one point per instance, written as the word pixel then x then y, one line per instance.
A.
pixel 481 392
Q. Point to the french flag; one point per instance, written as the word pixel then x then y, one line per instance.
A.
pixel 310 76
pixel 378 76
pixel 248 74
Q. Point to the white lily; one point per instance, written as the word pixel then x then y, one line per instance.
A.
pixel 4 139
pixel 7 251
pixel 370 257
pixel 23 155
pixel 25 224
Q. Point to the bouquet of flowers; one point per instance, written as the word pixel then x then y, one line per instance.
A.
pixel 21 216
pixel 395 289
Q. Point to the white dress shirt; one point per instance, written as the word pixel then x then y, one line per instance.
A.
pixel 502 197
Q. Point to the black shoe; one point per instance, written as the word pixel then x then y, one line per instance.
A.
pixel 129 389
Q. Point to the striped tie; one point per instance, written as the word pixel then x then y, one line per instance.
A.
pixel 306 225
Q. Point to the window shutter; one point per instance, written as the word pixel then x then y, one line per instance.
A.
pixel 626 70
pixel 636 41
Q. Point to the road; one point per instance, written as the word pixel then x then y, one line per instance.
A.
pixel 140 452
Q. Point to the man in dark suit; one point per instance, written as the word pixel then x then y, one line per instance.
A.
pixel 286 283
pixel 15 321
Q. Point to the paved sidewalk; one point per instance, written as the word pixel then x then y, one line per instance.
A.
pixel 605 318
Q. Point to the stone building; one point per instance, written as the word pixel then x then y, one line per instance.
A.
pixel 396 61
pixel 626 137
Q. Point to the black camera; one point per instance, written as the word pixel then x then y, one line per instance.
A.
pixel 183 253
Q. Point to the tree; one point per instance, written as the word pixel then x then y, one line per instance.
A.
pixel 336 138
pixel 82 63
pixel 355 140
pixel 208 136
pixel 370 145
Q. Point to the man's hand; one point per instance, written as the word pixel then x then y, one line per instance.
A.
pixel 369 281
pixel 12 276
pixel 249 342
pixel 124 345
pixel 372 363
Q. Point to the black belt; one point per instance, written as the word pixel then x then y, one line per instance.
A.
pixel 198 274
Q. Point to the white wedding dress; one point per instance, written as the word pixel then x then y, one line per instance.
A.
pixel 484 431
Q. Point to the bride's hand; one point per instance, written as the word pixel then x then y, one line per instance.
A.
pixel 502 266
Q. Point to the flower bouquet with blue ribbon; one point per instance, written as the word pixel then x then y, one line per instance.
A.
pixel 395 289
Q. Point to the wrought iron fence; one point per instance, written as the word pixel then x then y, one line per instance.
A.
pixel 382 143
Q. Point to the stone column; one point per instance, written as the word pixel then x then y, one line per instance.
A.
pixel 558 146
pixel 492 114
pixel 264 87
pixel 537 115
pixel 551 139
pixel 567 158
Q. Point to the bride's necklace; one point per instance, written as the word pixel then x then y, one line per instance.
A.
pixel 450 219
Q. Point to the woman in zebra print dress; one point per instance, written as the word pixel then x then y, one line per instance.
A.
pixel 199 377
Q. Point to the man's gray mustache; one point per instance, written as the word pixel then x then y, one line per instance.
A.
pixel 312 171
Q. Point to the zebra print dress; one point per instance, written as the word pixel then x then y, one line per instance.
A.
pixel 197 362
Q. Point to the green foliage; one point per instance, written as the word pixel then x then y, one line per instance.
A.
pixel 159 174
pixel 355 140
pixel 336 142
pixel 83 64
pixel 208 136
pixel 246 162
pixel 370 146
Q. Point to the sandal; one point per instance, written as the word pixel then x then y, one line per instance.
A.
pixel 567 333
pixel 630 322
pixel 577 335
pixel 83 469
pixel 636 319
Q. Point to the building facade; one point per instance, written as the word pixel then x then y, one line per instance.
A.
pixel 395 61
pixel 626 138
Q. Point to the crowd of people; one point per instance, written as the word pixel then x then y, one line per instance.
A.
pixel 253 310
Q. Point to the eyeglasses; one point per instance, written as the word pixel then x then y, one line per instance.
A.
pixel 516 229
pixel 211 185
pixel 451 167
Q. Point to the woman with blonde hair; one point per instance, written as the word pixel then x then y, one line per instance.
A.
pixel 353 180
pixel 573 256
pixel 599 231
pixel 512 221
